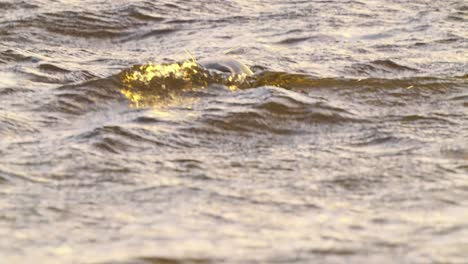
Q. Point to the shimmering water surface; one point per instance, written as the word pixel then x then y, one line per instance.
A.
pixel 348 144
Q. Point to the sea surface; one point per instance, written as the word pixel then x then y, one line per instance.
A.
pixel 349 144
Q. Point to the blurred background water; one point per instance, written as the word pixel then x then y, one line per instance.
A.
pixel 354 147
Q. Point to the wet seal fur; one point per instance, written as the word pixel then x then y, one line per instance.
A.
pixel 226 65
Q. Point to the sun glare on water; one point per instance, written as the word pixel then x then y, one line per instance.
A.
pixel 157 84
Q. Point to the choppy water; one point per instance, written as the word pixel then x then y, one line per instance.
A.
pixel 349 143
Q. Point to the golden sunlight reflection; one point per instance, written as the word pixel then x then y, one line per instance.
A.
pixel 155 85
pixel 159 85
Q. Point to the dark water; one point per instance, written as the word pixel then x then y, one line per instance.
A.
pixel 348 145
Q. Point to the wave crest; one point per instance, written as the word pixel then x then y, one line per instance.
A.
pixel 151 84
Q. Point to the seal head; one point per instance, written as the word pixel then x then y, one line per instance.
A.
pixel 226 66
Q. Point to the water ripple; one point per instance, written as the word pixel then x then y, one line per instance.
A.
pixel 347 143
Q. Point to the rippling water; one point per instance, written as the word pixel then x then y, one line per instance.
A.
pixel 348 144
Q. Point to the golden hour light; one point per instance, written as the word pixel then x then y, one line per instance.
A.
pixel 234 131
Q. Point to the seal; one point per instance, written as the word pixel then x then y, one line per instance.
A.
pixel 152 84
pixel 226 65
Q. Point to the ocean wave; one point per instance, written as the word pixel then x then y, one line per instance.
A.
pixel 272 110
pixel 380 68
pixel 121 139
pixel 84 24
pixel 13 5
pixel 13 124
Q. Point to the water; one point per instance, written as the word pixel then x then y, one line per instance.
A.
pixel 348 144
